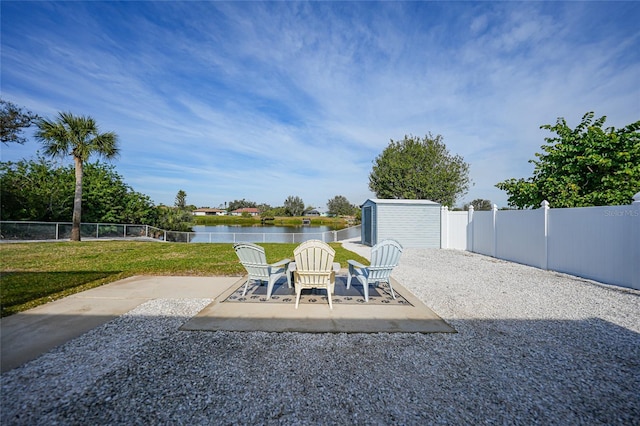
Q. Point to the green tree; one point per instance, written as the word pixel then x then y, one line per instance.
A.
pixel 294 206
pixel 79 137
pixel 138 208
pixel 415 168
pixel 240 204
pixel 13 121
pixel 174 219
pixel 40 190
pixel 479 204
pixel 177 218
pixel 585 166
pixel 107 198
pixel 274 211
pixel 35 190
pixel 103 192
pixel 265 209
pixel 181 200
pixel 340 206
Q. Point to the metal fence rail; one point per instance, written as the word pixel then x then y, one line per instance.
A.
pixel 46 231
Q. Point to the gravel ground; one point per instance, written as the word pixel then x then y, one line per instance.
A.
pixel 533 347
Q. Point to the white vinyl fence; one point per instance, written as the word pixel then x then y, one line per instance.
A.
pixel 598 243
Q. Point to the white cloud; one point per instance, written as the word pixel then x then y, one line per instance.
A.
pixel 266 100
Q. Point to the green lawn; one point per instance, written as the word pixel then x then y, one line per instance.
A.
pixel 32 274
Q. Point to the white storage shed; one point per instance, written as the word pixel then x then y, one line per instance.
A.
pixel 413 223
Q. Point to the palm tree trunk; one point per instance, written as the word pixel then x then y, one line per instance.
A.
pixel 77 202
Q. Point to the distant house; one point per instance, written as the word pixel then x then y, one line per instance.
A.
pixel 251 210
pixel 209 212
pixel 316 212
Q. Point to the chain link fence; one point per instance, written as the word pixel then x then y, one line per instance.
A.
pixel 48 231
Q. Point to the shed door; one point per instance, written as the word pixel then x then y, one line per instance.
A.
pixel 367 225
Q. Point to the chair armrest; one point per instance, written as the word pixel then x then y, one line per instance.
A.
pixel 356 264
pixel 281 263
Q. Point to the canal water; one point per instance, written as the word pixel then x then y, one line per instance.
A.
pixel 258 233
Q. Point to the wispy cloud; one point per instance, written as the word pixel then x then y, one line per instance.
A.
pixel 264 100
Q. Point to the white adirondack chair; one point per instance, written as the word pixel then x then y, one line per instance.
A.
pixel 384 257
pixel 314 268
pixel 254 260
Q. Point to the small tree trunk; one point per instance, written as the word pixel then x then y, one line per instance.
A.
pixel 77 202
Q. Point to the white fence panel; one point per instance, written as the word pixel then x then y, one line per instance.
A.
pixel 595 243
pixel 456 232
pixel 483 233
pixel 599 243
pixel 521 236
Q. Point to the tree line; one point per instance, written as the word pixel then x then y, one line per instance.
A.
pixel 294 206
pixel 41 190
pixel 586 166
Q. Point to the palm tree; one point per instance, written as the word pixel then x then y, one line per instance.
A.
pixel 77 136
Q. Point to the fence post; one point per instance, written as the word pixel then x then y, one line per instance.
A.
pixel 444 227
pixel 545 255
pixel 57 231
pixel 494 213
pixel 635 242
pixel 470 229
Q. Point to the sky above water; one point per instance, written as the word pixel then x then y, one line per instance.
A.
pixel 265 100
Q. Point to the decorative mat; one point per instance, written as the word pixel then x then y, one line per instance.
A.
pixel 378 295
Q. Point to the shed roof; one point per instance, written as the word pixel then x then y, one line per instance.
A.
pixel 398 201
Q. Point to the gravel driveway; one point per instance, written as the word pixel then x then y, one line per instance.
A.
pixel 533 347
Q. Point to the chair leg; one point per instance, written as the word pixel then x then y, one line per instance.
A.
pixel 298 292
pixel 365 286
pixel 270 287
pixel 348 280
pixel 329 296
pixel 246 287
pixel 391 287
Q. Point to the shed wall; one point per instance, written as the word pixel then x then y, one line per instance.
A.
pixel 411 225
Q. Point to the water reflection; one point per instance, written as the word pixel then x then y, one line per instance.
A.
pixel 258 233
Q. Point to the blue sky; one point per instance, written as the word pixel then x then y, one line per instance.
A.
pixel 263 100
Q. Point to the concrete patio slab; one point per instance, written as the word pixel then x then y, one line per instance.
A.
pixel 318 318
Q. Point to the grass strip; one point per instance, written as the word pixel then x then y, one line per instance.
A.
pixel 32 274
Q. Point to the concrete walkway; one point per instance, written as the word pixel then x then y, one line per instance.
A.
pixel 26 335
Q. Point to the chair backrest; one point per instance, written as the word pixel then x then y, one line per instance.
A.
pixel 253 259
pixel 384 257
pixel 314 262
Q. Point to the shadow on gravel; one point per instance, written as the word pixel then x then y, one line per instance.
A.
pixel 497 371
